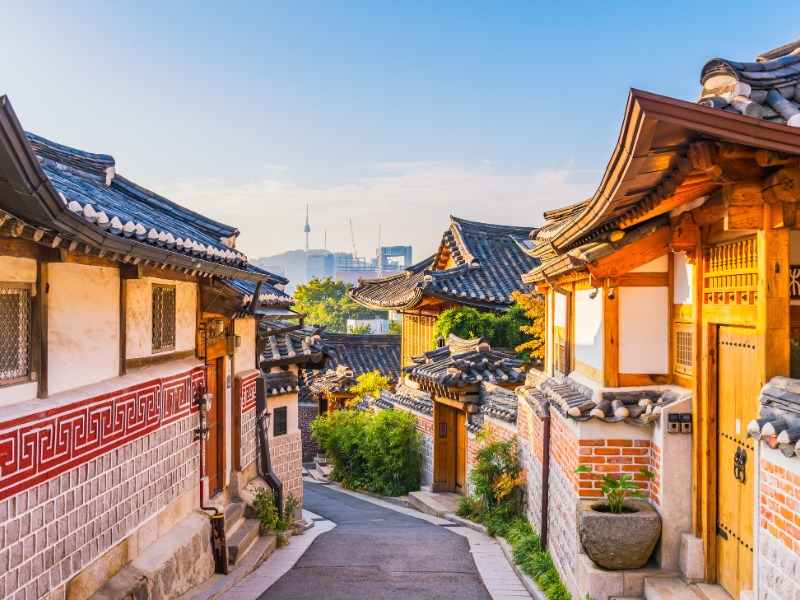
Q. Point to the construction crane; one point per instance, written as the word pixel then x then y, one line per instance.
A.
pixel 353 239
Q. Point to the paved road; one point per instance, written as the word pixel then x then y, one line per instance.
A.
pixel 378 553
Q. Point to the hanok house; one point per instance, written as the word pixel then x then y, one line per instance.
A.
pixel 108 354
pixel 349 356
pixel 452 391
pixel 671 336
pixel 477 264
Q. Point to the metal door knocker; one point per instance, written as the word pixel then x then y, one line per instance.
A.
pixel 739 461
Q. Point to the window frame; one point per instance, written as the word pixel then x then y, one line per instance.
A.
pixel 284 422
pixel 678 368
pixel 153 291
pixel 30 374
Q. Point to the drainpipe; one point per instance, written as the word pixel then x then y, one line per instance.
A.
pixel 254 302
pixel 218 544
pixel 262 426
pixel 545 470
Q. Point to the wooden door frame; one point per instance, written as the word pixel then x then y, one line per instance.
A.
pixel 218 352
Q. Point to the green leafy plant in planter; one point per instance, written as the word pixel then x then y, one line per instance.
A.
pixel 618 490
pixel 268 520
pixel 621 532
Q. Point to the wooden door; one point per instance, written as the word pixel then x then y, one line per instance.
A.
pixel 444 451
pixel 461 453
pixel 214 424
pixel 737 403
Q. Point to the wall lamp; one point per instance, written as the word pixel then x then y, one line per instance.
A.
pixel 611 294
pixel 593 295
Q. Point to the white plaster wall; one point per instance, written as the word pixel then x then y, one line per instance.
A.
pixel 289 401
pixel 659 265
pixel 17 270
pixel 245 356
pixel 683 280
pixel 589 329
pixel 139 324
pixel 83 325
pixel 560 310
pixel 643 330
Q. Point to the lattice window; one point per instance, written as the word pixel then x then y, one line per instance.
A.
pixel 279 421
pixel 15 332
pixel 561 356
pixel 683 349
pixel 163 318
pixel 730 273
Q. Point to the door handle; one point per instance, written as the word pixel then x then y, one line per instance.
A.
pixel 739 462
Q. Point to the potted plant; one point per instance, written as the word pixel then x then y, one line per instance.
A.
pixel 619 533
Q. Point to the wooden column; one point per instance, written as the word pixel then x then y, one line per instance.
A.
pixel 40 333
pixel 610 338
pixel 698 379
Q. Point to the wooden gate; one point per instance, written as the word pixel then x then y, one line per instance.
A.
pixel 737 402
pixel 215 424
pixel 450 450
pixel 461 453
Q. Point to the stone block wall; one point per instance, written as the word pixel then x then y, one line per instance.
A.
pixel 247 401
pixel 529 427
pixel 306 414
pixel 285 453
pixel 779 527
pixel 77 480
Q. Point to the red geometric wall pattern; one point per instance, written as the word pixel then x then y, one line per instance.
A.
pixel 43 445
pixel 248 391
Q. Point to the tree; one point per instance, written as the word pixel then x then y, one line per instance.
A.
pixel 325 302
pixel 395 327
pixel 533 306
pixel 362 329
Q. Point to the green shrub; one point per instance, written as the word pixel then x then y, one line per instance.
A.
pixel 380 452
pixel 497 477
pixel 267 514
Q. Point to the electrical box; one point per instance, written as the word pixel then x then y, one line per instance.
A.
pixel 674 423
pixel 234 341
pixel 686 422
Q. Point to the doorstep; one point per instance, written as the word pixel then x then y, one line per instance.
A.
pixel 604 584
pixel 436 504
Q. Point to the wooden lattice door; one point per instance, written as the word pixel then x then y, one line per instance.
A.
pixel 737 402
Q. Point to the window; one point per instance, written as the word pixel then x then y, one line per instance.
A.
pixel 683 349
pixel 163 318
pixel 279 422
pixel 15 332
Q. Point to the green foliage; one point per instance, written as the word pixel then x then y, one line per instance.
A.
pixel 496 476
pixel 326 302
pixel 508 329
pixel 267 513
pixel 369 384
pixel 380 452
pixel 361 329
pixel 395 327
pixel 617 490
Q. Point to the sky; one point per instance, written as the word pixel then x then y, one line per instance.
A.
pixel 390 113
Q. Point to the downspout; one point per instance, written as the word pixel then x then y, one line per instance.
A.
pixel 254 302
pixel 545 471
pixel 262 427
pixel 218 543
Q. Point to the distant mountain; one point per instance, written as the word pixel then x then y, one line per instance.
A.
pixel 293 264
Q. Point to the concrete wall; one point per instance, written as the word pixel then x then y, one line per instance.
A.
pixel 589 329
pixel 643 329
pixel 70 519
pixel 139 330
pixel 17 270
pixel 83 325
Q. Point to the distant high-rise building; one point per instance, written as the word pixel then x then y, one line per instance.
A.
pixel 307 228
pixel 319 264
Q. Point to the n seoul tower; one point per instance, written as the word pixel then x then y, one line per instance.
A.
pixel 307 229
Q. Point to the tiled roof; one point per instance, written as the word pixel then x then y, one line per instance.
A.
pixel 498 402
pixel 91 189
pixel 363 353
pixel 303 346
pixel 779 421
pixel 280 383
pixel 336 380
pixel 270 295
pixel 465 362
pixel 477 264
pixel 418 400
pixel 767 89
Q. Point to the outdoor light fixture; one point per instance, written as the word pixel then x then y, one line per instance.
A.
pixel 593 295
pixel 218 326
pixel 611 294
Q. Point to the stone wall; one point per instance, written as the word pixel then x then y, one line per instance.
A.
pixel 529 427
pixel 284 452
pixel 779 527
pixel 307 412
pixel 81 478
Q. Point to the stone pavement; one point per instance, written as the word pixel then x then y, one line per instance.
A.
pixel 369 548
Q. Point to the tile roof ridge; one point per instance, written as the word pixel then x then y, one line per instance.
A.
pixel 498 229
pixel 92 161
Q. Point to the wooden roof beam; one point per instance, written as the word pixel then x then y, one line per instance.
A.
pixel 633 255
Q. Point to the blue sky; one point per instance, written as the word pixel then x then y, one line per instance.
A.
pixel 392 113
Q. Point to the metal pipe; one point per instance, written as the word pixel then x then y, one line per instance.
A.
pixel 256 296
pixel 545 471
pixel 218 543
pixel 262 427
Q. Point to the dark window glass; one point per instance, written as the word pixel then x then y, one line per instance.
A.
pixel 279 421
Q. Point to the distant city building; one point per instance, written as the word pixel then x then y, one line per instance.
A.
pixel 319 264
pixel 276 269
pixel 388 260
pixel 376 326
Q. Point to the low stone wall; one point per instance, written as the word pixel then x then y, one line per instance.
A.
pixel 284 451
pixel 779 527
pixel 307 412
pixel 78 480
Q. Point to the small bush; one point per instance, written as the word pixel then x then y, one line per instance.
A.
pixel 380 452
pixel 267 513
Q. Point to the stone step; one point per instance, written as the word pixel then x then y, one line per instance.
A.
pixel 233 514
pixel 437 505
pixel 317 475
pixel 325 470
pixel 671 588
pixel 709 591
pixel 241 539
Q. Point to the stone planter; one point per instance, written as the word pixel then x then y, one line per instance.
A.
pixel 623 541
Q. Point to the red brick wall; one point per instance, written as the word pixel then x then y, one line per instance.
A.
pixel 614 458
pixel 306 413
pixel 780 504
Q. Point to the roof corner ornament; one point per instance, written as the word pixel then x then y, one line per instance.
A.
pixel 110 174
